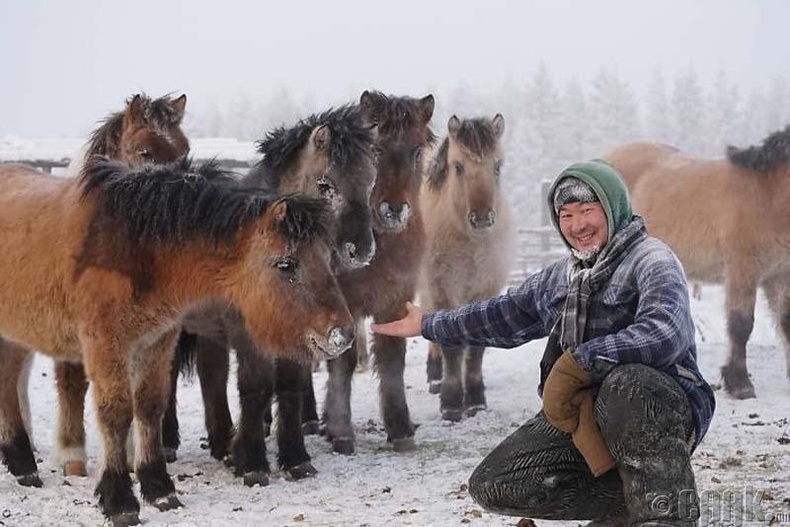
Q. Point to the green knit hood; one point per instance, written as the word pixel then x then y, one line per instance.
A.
pixel 607 184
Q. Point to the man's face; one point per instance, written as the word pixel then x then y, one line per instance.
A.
pixel 584 226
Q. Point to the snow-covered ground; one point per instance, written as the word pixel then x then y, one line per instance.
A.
pixel 744 459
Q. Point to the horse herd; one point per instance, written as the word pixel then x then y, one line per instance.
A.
pixel 143 264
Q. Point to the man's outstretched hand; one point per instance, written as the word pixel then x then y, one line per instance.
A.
pixel 408 326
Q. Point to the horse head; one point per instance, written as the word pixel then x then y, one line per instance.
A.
pixel 329 156
pixel 146 131
pixel 403 135
pixel 468 165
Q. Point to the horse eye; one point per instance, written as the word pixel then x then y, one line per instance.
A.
pixel 144 154
pixel 459 168
pixel 497 168
pixel 287 266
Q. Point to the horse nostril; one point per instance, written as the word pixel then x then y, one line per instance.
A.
pixel 341 338
pixel 351 250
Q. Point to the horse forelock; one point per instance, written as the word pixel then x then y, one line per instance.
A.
pixel 400 119
pixel 167 204
pixel 771 155
pixel 351 142
pixel 477 137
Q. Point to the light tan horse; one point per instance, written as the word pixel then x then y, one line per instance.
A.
pixel 469 250
pixel 100 269
pixel 728 220
pixel 146 130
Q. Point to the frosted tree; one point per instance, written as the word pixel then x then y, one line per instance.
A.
pixel 574 130
pixel 688 114
pixel 777 105
pixel 543 120
pixel 614 116
pixel 657 122
pixel 721 118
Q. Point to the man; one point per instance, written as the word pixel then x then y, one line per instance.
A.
pixel 619 377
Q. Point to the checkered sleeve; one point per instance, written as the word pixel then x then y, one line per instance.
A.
pixel 505 321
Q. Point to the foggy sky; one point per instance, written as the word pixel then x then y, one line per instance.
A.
pixel 64 66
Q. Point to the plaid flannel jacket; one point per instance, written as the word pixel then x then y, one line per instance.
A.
pixel 640 316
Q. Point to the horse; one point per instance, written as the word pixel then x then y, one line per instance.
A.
pixel 146 130
pixel 330 156
pixel 101 268
pixel 726 219
pixel 469 249
pixel 381 289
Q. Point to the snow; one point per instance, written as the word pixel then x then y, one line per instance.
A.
pixel 746 452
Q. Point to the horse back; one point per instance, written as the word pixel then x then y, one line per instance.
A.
pixel 39 238
pixel 707 210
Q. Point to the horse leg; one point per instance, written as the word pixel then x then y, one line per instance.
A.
pixel 310 421
pixel 108 372
pixel 213 365
pixel 434 368
pixel 741 293
pixel 182 360
pixel 390 355
pixel 451 397
pixel 337 408
pixel 255 377
pixel 72 386
pixel 777 290
pixel 151 394
pixel 292 380
pixel 15 444
pixel 474 388
pixel 171 437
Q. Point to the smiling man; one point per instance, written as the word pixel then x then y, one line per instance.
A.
pixel 619 378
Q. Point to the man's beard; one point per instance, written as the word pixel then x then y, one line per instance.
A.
pixel 588 256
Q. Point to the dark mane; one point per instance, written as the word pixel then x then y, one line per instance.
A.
pixel 158 113
pixel 765 158
pixel 476 135
pixel 397 116
pixel 164 204
pixel 351 142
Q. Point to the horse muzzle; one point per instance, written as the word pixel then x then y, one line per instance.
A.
pixel 336 341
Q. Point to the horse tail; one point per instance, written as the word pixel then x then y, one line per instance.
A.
pixel 186 354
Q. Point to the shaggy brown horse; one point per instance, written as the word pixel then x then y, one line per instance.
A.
pixel 726 220
pixel 329 156
pixel 381 289
pixel 469 249
pixel 147 130
pixel 100 269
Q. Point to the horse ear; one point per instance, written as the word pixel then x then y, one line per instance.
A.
pixel 499 125
pixel 320 137
pixel 278 212
pixel 134 109
pixel 426 107
pixel 453 125
pixel 368 106
pixel 178 106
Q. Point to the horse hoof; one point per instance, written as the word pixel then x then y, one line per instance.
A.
pixel 311 428
pixel 166 503
pixel 435 387
pixel 301 471
pixel 256 477
pixel 737 383
pixel 452 414
pixel 75 468
pixel 228 461
pixel 472 410
pixel 404 444
pixel 170 454
pixel 343 446
pixel 125 519
pixel 30 480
